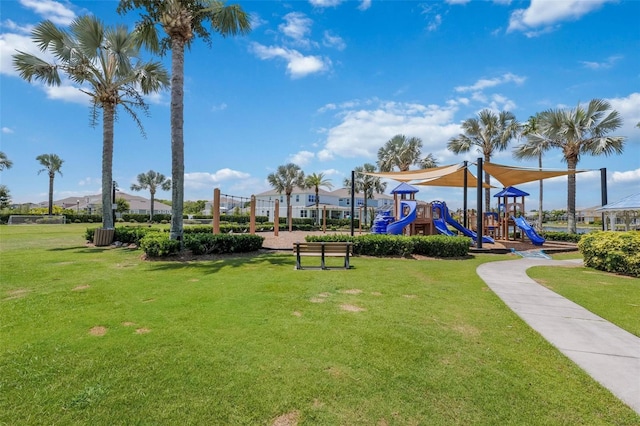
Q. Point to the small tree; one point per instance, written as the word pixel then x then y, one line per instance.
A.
pixel 5 197
pixel 52 165
pixel 316 181
pixel 152 181
pixel 285 179
pixel 366 184
pixel 122 205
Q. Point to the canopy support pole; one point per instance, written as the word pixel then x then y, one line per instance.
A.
pixel 603 192
pixel 464 203
pixel 353 198
pixel 479 215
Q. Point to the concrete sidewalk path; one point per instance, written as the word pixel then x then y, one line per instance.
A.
pixel 608 353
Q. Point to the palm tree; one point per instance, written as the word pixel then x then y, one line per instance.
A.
pixel 489 132
pixel 576 132
pixel 5 163
pixel 402 152
pixel 101 58
pixel 51 164
pixel 316 181
pixel 366 184
pixel 152 181
pixel 533 149
pixel 182 21
pixel 285 179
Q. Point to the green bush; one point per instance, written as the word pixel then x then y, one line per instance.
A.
pixel 561 236
pixel 132 234
pixel 398 245
pixel 222 243
pixel 158 244
pixel 440 245
pixel 617 252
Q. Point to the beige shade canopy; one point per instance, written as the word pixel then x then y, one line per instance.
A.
pixel 454 179
pixel 453 175
pixel 432 173
pixel 511 176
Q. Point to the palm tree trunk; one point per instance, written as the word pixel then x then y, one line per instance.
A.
pixel 51 178
pixel 108 114
pixel 153 194
pixel 571 196
pixel 177 138
pixel 540 199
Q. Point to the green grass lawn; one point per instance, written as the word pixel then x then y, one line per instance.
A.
pixel 613 297
pixel 98 336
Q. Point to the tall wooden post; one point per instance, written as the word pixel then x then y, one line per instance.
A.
pixel 252 215
pixel 276 218
pixel 215 211
pixel 290 216
pixel 360 221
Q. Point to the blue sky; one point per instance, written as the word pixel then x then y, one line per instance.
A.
pixel 325 83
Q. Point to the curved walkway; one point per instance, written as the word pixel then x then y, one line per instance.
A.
pixel 608 353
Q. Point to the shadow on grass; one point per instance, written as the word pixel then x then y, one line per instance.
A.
pixel 213 264
pixel 81 249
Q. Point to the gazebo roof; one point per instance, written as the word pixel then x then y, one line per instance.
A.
pixel 511 191
pixel 632 202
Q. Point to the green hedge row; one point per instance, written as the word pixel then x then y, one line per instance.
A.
pixel 398 245
pixel 561 236
pixel 157 244
pixel 617 252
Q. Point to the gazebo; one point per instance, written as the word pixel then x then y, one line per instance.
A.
pixel 628 208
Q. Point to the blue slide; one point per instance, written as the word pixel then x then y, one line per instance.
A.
pixel 535 238
pixel 444 210
pixel 395 228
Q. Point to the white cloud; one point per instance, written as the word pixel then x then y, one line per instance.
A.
pixel 7 130
pixel 362 132
pixel 201 180
pixel 364 5
pixel 325 3
pixel 54 11
pixel 331 40
pixel 608 63
pixel 219 107
pixel 68 93
pixel 298 65
pixel 485 83
pixel 301 158
pixel 544 14
pixel 9 43
pixel 629 110
pixel 457 1
pixel 297 27
pixel 630 176
pixel 435 23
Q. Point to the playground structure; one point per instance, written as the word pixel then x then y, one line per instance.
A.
pixel 505 223
pixel 441 210
pixel 413 217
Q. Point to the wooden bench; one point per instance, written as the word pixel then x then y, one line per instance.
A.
pixel 323 250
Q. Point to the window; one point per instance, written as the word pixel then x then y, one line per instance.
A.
pixel 282 198
pixel 297 198
pixel 303 213
pixel 311 198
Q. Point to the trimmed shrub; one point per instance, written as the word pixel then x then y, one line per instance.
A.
pixel 222 243
pixel 617 252
pixel 561 236
pixel 158 244
pixel 441 245
pixel 398 245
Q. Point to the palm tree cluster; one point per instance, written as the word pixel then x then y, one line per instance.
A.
pixel 403 152
pixel 579 131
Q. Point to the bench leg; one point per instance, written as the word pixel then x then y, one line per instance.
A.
pixel 298 265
